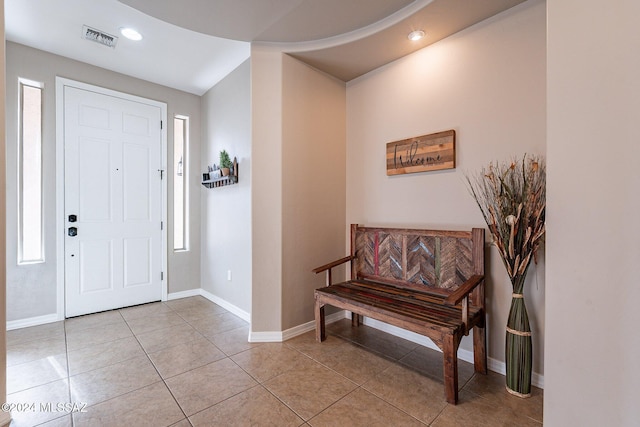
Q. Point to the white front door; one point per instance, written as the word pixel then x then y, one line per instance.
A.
pixel 113 202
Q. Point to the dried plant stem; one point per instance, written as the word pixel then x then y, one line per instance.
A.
pixel 518 347
pixel 511 197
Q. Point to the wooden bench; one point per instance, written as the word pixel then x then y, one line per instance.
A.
pixel 429 282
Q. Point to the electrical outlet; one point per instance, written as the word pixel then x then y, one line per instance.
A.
pixel 229 275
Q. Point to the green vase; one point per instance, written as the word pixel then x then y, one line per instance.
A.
pixel 518 343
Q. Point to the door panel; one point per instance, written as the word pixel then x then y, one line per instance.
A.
pixel 137 261
pixel 112 183
pixel 136 182
pixel 94 165
pixel 93 117
pixel 136 125
pixel 96 265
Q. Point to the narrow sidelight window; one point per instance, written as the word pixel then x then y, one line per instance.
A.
pixel 30 215
pixel 180 168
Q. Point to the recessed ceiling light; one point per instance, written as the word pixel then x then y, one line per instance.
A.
pixel 131 34
pixel 415 35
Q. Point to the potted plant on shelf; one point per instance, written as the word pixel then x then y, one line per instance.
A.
pixel 512 197
pixel 225 163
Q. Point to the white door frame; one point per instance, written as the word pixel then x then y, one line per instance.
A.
pixel 60 222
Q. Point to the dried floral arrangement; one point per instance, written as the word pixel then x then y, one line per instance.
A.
pixel 512 199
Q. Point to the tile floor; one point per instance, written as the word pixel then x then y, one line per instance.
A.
pixel 187 362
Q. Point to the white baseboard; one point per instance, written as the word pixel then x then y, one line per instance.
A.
pixel 226 305
pixel 32 321
pixel 500 367
pixel 270 336
pixel 50 318
pixel 280 336
pixel 494 365
pixel 184 294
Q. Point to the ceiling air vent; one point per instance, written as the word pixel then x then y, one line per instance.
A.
pixel 99 36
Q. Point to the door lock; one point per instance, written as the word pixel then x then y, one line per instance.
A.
pixel 73 218
pixel 73 231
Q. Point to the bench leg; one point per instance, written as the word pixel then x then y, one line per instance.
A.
pixel 449 352
pixel 356 319
pixel 480 350
pixel 319 314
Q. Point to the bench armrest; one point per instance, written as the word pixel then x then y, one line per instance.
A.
pixel 328 267
pixel 462 295
pixel 333 264
pixel 464 290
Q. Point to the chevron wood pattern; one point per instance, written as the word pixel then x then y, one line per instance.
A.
pixel 365 248
pixel 429 261
pixel 464 260
pixel 390 255
pixel 421 260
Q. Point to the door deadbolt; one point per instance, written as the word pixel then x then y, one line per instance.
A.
pixel 73 231
pixel 73 218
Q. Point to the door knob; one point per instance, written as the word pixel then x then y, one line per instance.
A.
pixel 73 231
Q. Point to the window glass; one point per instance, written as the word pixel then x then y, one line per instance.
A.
pixel 30 174
pixel 180 140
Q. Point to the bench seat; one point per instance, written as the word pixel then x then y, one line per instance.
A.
pixel 422 310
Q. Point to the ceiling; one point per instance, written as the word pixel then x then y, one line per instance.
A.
pixel 190 45
pixel 271 20
pixel 167 55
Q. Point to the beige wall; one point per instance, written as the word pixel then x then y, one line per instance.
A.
pixel 298 187
pixel 487 83
pixel 226 211
pixel 4 416
pixel 593 191
pixel 266 189
pixel 313 184
pixel 31 289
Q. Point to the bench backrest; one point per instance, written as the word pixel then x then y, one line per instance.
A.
pixel 429 261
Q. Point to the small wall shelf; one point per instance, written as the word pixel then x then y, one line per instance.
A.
pixel 220 182
pixel 223 180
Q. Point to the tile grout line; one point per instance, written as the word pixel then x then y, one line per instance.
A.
pixel 66 378
pixel 407 366
pixel 258 383
pixel 261 384
pixel 399 362
pixel 120 395
pixel 284 403
pixel 66 353
pixel 187 311
pixel 359 386
pixel 439 414
pixel 334 403
pixel 289 346
pixel 156 369
pixel 62 414
pixel 534 420
pixel 225 399
pixel 148 358
pixel 212 343
pixel 161 379
pixel 208 340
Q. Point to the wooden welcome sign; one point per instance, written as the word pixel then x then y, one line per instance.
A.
pixel 432 152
